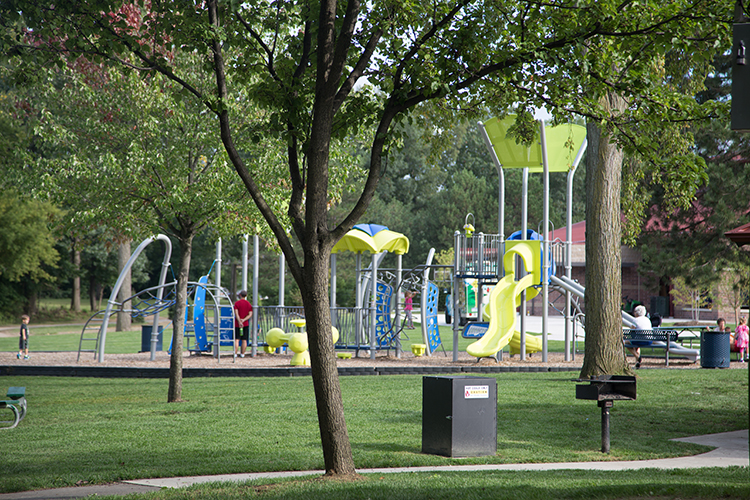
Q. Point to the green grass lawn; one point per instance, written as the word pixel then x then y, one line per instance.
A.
pixel 100 430
pixel 731 483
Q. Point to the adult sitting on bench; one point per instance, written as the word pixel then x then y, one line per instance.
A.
pixel 641 323
pixel 16 403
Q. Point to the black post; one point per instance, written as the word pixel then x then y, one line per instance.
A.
pixel 605 406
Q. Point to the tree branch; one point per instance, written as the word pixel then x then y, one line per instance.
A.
pixel 236 159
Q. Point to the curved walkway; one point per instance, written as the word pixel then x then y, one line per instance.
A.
pixel 731 449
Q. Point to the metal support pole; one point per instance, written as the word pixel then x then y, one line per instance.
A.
pixel 480 271
pixel 159 296
pixel 254 322
pixel 244 261
pixel 455 292
pixel 568 262
pixel 218 263
pixel 605 406
pixel 500 194
pixel 545 244
pixel 519 269
pixel 374 306
pixel 397 301
pixel 501 222
pixel 282 270
pixel 358 305
pixel 333 280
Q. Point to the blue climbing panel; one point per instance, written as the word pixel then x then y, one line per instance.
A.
pixel 199 316
pixel 433 334
pixel 383 314
pixel 226 325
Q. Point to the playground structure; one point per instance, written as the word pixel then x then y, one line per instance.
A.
pixel 209 324
pixel 478 256
pixel 209 318
pixel 382 288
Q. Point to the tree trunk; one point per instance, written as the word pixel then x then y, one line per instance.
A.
pixel 126 289
pixel 604 351
pixel 337 452
pixel 174 394
pixel 75 299
pixel 33 303
pixel 94 288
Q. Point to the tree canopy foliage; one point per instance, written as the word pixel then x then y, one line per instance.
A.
pixel 688 243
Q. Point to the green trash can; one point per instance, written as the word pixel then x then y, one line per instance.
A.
pixel 714 349
pixel 146 338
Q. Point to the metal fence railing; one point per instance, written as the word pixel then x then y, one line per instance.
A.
pixel 351 322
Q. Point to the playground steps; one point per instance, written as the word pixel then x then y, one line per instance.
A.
pixel 91 333
pixel 225 336
pixel 212 325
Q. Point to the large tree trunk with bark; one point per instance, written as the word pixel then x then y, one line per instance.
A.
pixel 126 290
pixel 604 352
pixel 174 394
pixel 75 299
pixel 337 452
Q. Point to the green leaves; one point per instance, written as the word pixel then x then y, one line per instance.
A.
pixel 26 239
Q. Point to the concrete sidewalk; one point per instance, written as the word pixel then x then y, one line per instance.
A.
pixel 731 449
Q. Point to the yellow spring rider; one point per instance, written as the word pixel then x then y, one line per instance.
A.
pixel 297 342
pixel 505 297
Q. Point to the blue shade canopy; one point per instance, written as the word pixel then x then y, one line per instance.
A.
pixel 372 238
pixel 563 145
pixel 371 229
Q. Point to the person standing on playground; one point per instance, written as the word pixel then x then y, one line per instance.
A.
pixel 23 340
pixel 243 311
pixel 742 338
pixel 408 307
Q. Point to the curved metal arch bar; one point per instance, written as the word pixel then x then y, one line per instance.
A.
pixel 112 302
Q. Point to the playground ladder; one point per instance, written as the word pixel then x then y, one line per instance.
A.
pixel 91 332
pixel 225 324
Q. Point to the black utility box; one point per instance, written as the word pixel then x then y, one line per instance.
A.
pixel 459 416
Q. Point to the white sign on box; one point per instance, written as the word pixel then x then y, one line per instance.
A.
pixel 477 392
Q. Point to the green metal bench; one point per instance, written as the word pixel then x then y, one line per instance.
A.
pixel 16 403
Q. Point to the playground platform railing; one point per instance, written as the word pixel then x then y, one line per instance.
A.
pixel 479 255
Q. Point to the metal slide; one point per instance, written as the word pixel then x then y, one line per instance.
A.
pixel 503 301
pixel 571 286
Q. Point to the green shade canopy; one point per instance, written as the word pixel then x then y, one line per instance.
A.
pixel 384 240
pixel 563 143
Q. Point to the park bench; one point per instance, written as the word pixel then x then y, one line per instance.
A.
pixel 656 338
pixel 16 403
